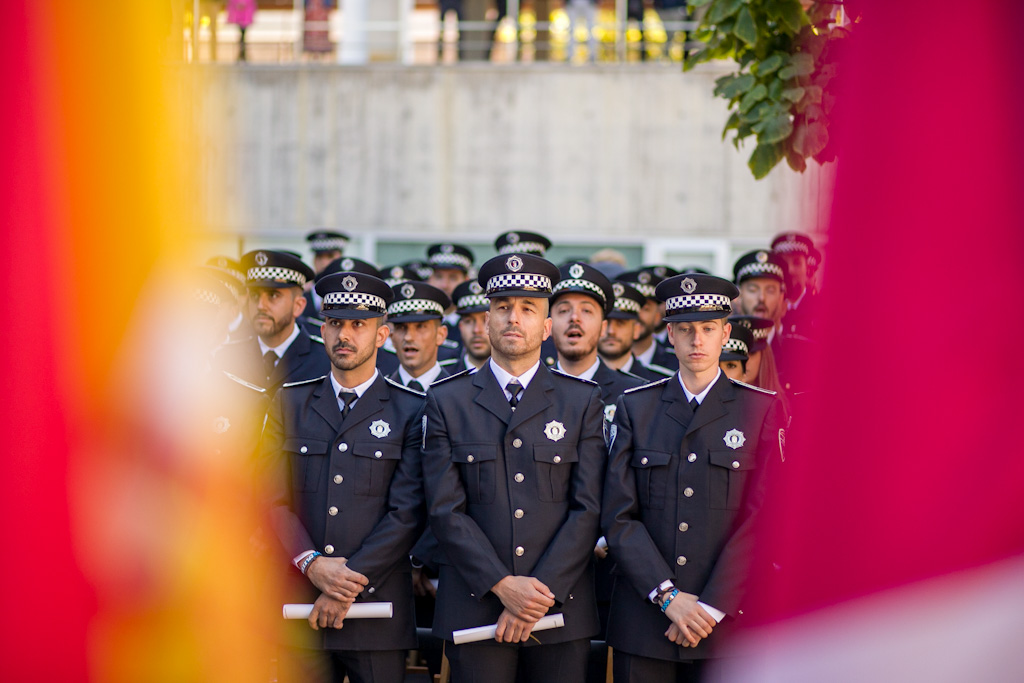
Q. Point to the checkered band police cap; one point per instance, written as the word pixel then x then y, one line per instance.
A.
pixel 694 297
pixel 585 279
pixel 760 263
pixel 759 329
pixel 737 346
pixel 645 280
pixel 268 268
pixel 397 274
pixel 326 240
pixel 210 286
pixel 448 255
pixel 518 275
pixel 352 295
pixel 515 242
pixel 228 266
pixel 793 242
pixel 469 298
pixel 416 302
pixel 348 264
pixel 628 301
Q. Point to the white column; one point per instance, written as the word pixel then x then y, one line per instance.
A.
pixel 355 39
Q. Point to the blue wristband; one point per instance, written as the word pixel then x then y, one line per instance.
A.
pixel 309 560
pixel 669 598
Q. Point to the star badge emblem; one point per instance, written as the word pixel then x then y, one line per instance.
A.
pixel 380 429
pixel 554 430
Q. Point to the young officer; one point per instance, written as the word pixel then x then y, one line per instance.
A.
pixel 685 480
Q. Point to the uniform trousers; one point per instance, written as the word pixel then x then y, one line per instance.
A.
pixel 493 662
pixel 627 668
pixel 300 665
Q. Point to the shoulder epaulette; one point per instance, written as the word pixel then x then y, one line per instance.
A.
pixel 656 383
pixel 302 381
pixel 386 349
pixel 448 361
pixel 399 385
pixel 241 381
pixel 578 379
pixel 319 340
pixel 629 374
pixel 661 369
pixel 314 321
pixel 442 380
pixel 751 386
pixel 450 344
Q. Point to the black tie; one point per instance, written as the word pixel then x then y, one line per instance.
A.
pixel 349 397
pixel 415 384
pixel 514 388
pixel 269 363
pixel 694 405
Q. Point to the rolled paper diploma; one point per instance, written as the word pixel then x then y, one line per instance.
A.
pixel 358 610
pixel 473 635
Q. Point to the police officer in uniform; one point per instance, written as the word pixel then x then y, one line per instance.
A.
pixel 347 497
pixel 519 242
pixel 311 316
pixel 280 351
pixel 800 255
pixel 513 462
pixel 415 321
pixel 686 476
pixel 450 265
pixel 471 305
pixel 616 344
pixel 579 303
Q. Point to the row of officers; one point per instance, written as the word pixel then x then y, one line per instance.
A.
pixel 600 485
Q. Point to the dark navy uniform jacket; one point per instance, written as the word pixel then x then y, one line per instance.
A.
pixel 351 489
pixel 514 493
pixel 304 359
pixel 681 498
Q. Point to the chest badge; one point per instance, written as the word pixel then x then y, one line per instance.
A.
pixel 734 438
pixel 222 424
pixel 554 430
pixel 380 429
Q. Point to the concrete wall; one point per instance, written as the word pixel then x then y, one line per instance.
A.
pixel 627 154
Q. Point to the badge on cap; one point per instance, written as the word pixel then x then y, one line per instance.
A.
pixel 512 237
pixel 408 290
pixel 618 289
pixel 576 271
pixel 397 272
pixel 347 264
pixel 261 259
pixel 644 278
pixel 554 430
pixel 688 285
pixel 475 287
pixel 660 271
pixel 514 263
pixel 222 424
pixel 734 439
pixel 447 248
pixel 380 429
pixel 349 283
pixel 762 257
pixel 222 262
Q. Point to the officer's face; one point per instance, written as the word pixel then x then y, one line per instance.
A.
pixel 733 369
pixel 577 322
pixel 416 344
pixel 272 310
pixel 321 259
pixel 649 318
pixel 517 325
pixel 753 368
pixel 618 338
pixel 351 343
pixel 699 344
pixel 796 272
pixel 762 296
pixel 446 279
pixel 473 328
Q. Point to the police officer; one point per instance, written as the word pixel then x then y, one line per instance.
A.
pixel 281 351
pixel 513 242
pixel 450 265
pixel 616 344
pixel 686 473
pixel 234 277
pixel 347 500
pixel 736 351
pixel 471 305
pixel 797 250
pixel 326 245
pixel 579 303
pixel 415 321
pixel 310 319
pixel 646 349
pixel 513 465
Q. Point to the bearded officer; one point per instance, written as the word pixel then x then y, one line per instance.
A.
pixel 513 467
pixel 280 351
pixel 348 500
pixel 686 477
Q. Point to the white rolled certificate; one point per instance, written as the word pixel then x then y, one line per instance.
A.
pixel 473 635
pixel 358 610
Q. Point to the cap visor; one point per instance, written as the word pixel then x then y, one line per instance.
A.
pixel 350 314
pixel 525 293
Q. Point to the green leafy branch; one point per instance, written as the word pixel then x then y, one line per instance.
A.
pixel 780 95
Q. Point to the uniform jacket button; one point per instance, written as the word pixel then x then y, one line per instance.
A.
pixel 519 477
pixel 692 457
pixel 683 526
pixel 328 549
pixel 377 454
pixel 519 513
pixel 680 560
pixel 557 459
pixel 520 550
pixel 469 458
pixel 342 447
pixel 338 478
pixel 643 461
pixel 332 511
pixel 687 492
pixel 516 443
pixel 735 464
pixel 303 449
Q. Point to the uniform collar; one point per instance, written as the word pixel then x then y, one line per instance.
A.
pixel 702 395
pixel 426 379
pixel 586 374
pixel 504 378
pixel 359 390
pixel 282 348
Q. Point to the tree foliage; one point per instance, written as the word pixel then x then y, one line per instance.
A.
pixel 780 94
